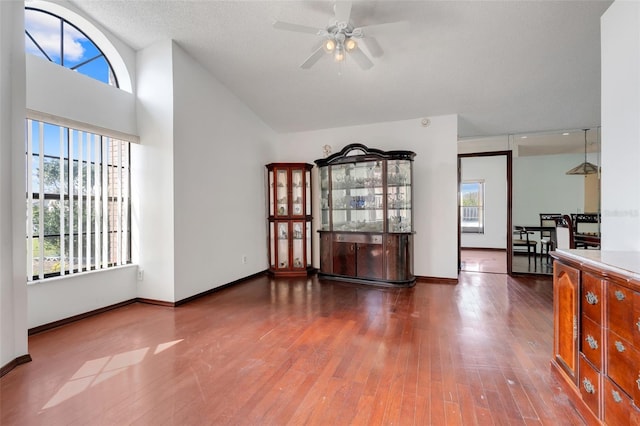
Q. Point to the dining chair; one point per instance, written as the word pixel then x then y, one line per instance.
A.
pixel 564 233
pixel 523 240
pixel 547 242
pixel 587 224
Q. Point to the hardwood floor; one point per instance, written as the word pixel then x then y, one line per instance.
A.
pixel 301 351
pixel 477 260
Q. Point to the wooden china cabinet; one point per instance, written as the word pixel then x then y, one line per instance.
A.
pixel 366 230
pixel 289 218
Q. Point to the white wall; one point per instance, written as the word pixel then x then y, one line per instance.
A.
pixel 435 180
pixel 220 151
pixel 484 144
pixel 620 29
pixel 59 298
pixel 59 91
pixel 493 171
pixel 541 185
pixel 13 280
pixel 152 174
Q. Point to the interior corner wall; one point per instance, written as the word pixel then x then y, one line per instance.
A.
pixel 435 184
pixel 152 174
pixel 220 151
pixel 620 34
pixel 492 170
pixel 13 280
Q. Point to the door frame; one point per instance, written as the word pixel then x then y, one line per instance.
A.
pixel 509 159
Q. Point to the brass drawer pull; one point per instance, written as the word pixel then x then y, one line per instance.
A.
pixel 619 346
pixel 619 295
pixel 588 386
pixel 616 396
pixel 592 299
pixel 593 343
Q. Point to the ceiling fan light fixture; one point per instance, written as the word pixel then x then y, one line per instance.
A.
pixel 350 44
pixel 329 45
pixel 339 53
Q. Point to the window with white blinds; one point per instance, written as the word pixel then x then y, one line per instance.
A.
pixel 78 203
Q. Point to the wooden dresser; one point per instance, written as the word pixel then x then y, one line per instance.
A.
pixel 596 353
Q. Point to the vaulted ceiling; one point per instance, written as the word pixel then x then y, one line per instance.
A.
pixel 504 66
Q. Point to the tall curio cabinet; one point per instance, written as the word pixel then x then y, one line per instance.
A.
pixel 366 230
pixel 289 218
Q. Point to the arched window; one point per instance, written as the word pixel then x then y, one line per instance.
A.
pixel 59 41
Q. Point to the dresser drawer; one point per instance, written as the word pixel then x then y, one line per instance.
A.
pixel 592 300
pixel 590 386
pixel 618 407
pixel 620 301
pixel 622 363
pixel 591 344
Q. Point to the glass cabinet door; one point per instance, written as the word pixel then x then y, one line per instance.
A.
pixel 307 192
pixel 282 200
pixel 399 196
pixel 324 199
pixel 308 241
pixel 297 192
pixel 357 197
pixel 298 248
pixel 283 244
pixel 272 245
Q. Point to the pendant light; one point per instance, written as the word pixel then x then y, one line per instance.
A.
pixel 585 168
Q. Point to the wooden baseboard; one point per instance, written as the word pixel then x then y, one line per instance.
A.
pixel 222 287
pixel 156 302
pixel 65 321
pixel 483 248
pixel 13 364
pixel 436 280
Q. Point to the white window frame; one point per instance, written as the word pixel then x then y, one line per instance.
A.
pixel 472 216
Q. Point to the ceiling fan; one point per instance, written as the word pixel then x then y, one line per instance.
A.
pixel 340 38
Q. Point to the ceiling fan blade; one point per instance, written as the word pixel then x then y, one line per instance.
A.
pixel 295 27
pixel 311 60
pixel 373 46
pixel 361 59
pixel 383 29
pixel 342 10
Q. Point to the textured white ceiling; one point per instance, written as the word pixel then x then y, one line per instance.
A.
pixel 503 66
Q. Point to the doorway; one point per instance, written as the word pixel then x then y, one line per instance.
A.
pixel 484 212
